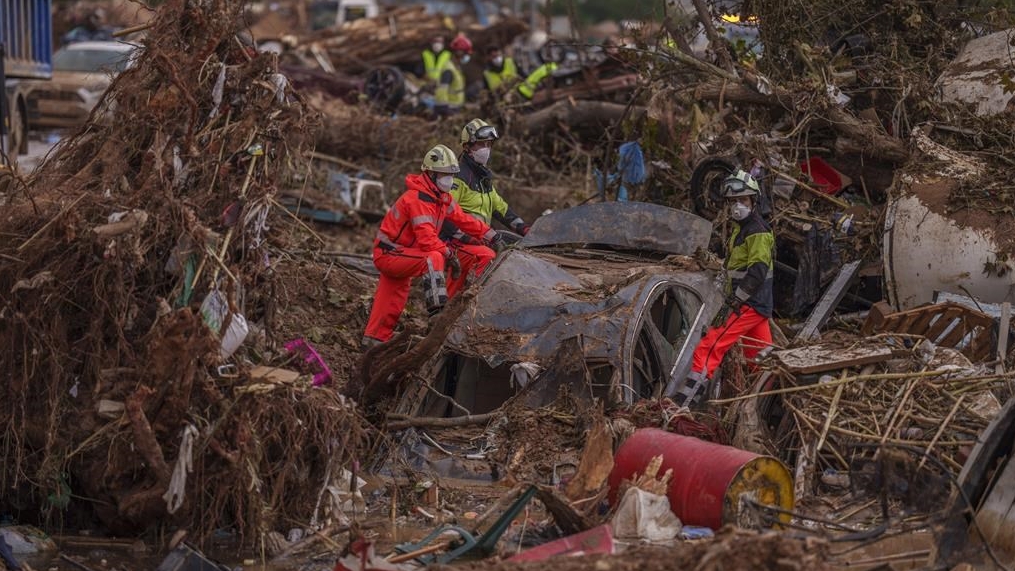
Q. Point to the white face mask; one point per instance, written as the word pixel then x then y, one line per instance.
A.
pixel 498 61
pixel 481 156
pixel 437 47
pixel 739 211
pixel 445 182
pixel 466 58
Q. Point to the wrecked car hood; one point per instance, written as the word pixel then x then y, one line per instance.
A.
pixel 624 225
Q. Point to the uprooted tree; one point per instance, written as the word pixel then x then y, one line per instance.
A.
pixel 114 251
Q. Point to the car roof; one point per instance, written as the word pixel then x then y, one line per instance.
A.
pixel 100 46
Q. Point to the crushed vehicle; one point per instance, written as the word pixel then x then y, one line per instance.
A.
pixel 604 300
pixel 81 73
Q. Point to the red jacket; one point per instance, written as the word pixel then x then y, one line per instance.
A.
pixel 418 215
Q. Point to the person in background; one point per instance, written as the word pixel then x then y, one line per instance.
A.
pixel 500 73
pixel 450 94
pixel 434 59
pixel 748 304
pixel 92 29
pixel 408 245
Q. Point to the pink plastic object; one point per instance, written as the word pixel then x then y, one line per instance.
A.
pixel 322 374
pixel 825 177
pixel 596 540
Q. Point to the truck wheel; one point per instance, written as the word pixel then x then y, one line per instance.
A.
pixel 17 134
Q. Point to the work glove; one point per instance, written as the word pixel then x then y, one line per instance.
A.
pixel 497 244
pixel 455 265
pixel 730 305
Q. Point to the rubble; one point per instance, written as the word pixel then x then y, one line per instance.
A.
pixel 188 277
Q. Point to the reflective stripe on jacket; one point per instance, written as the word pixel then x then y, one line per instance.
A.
pixel 507 74
pixel 750 263
pixel 475 192
pixel 451 86
pixel 419 213
pixel 434 63
pixel 528 87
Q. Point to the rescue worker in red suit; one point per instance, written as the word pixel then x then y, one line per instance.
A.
pixel 748 304
pixel 408 245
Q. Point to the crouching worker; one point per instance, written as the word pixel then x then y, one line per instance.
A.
pixel 748 304
pixel 408 245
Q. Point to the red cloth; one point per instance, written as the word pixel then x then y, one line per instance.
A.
pixel 713 346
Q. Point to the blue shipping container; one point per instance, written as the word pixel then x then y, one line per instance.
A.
pixel 27 34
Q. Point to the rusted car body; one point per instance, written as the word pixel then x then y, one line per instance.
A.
pixel 604 297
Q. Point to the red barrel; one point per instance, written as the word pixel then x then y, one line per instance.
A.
pixel 708 479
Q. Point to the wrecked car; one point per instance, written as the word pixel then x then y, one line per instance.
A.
pixel 605 298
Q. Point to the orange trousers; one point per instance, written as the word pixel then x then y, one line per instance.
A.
pixel 713 346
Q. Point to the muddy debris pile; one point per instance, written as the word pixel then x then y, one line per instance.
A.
pixel 140 258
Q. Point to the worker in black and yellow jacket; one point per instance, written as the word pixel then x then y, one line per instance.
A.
pixel 500 72
pixel 748 305
pixel 474 189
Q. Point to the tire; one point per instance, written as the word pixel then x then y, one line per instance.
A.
pixel 385 87
pixel 706 185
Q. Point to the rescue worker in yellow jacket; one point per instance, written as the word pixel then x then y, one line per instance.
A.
pixel 750 261
pixel 500 73
pixel 434 59
pixel 474 189
pixel 450 94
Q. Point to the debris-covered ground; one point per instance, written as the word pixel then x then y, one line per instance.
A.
pixel 186 280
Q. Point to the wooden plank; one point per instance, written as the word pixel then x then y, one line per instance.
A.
pixel 876 318
pixel 829 301
pixel 957 334
pixel 941 325
pixel 905 324
pixel 920 326
pixel 830 357
pixel 1002 336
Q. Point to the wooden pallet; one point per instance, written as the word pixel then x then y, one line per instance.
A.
pixel 944 324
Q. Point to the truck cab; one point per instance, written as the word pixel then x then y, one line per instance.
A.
pixel 26 53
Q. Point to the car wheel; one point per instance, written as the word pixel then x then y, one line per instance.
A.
pixel 706 185
pixel 385 86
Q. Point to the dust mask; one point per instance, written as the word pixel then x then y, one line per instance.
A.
pixel 481 156
pixel 466 58
pixel 437 47
pixel 498 61
pixel 445 182
pixel 739 211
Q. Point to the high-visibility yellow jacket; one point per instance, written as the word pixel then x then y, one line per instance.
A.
pixel 451 86
pixel 433 63
pixel 750 262
pixel 475 193
pixel 528 87
pixel 507 75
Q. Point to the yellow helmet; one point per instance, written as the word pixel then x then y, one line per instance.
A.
pixel 478 130
pixel 440 159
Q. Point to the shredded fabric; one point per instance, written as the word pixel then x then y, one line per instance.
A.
pixel 184 465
